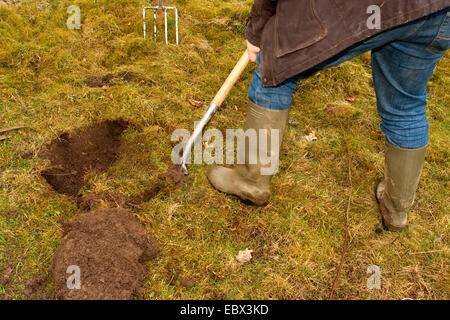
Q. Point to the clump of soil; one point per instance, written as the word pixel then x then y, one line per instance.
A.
pixel 27 155
pixel 178 178
pixel 147 195
pixel 110 248
pixel 99 82
pixel 187 283
pixel 73 155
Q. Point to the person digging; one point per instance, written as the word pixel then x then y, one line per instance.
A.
pixel 293 39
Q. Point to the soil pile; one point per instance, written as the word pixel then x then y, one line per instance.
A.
pixel 110 248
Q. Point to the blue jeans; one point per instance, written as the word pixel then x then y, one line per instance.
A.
pixel 403 61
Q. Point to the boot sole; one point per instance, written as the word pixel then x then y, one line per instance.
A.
pixel 245 198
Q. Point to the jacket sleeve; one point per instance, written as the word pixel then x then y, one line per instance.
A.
pixel 260 13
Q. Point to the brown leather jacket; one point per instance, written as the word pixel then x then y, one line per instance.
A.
pixel 295 35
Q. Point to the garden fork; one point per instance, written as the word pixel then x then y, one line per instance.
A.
pixel 161 6
pixel 215 104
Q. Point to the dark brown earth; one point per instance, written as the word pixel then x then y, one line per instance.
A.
pixel 72 155
pixel 128 76
pixel 147 195
pixel 177 177
pixel 110 247
pixel 187 283
pixel 98 82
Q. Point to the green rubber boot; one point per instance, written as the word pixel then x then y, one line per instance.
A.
pixel 396 192
pixel 251 181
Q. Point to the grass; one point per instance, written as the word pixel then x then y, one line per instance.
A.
pixel 296 239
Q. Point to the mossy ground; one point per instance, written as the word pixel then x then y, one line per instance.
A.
pixel 296 239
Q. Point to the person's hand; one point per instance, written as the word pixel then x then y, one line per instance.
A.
pixel 252 51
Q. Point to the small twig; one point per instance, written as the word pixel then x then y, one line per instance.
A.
pixel 12 129
pixel 395 239
pixel 344 248
pixel 426 252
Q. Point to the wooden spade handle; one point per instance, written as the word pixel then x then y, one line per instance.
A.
pixel 232 79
